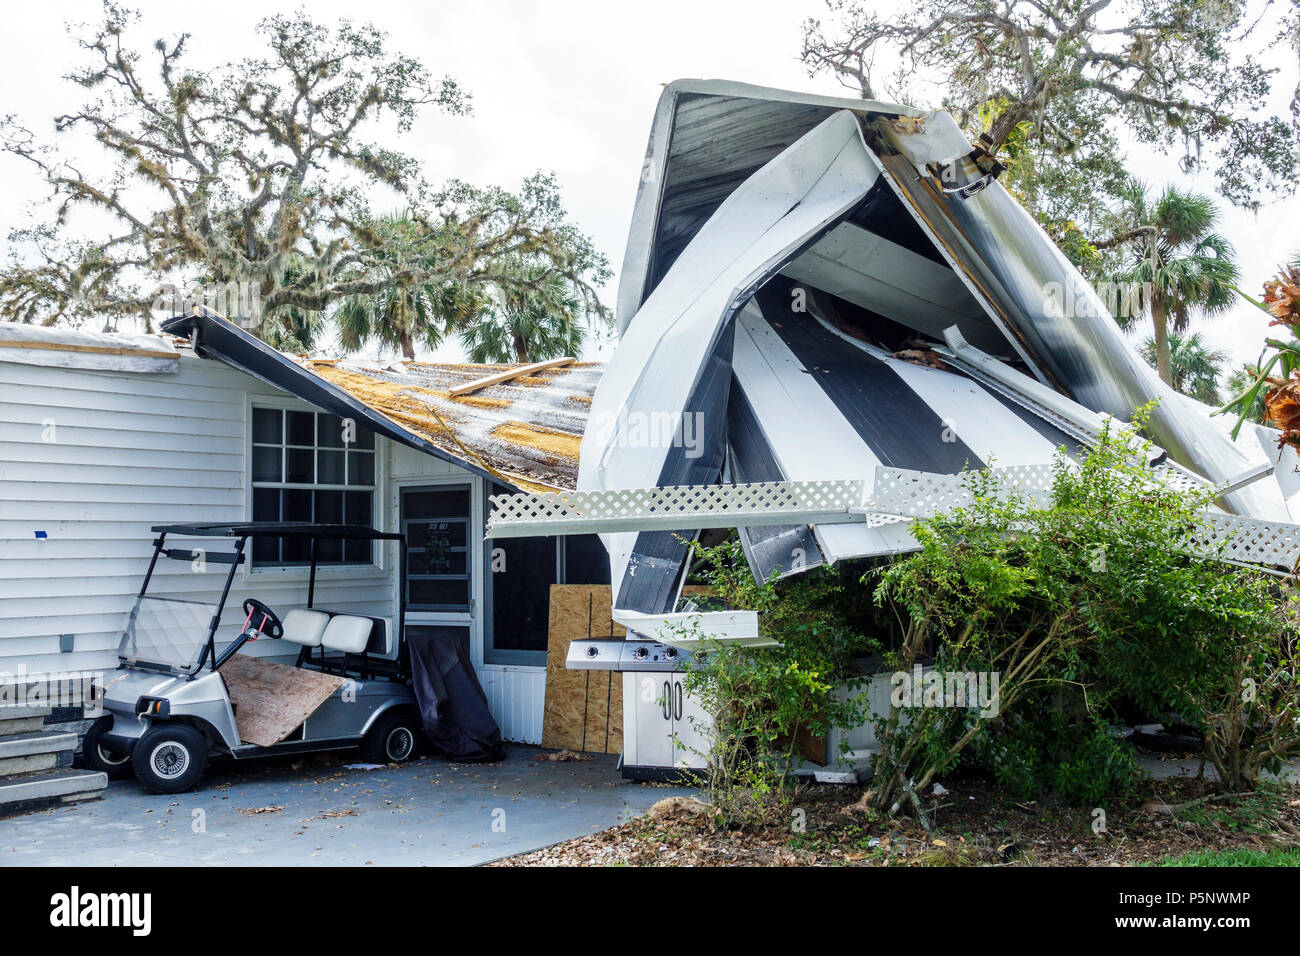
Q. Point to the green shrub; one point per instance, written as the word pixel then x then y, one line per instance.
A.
pixel 1048 754
pixel 1105 588
pixel 763 699
pixel 1108 586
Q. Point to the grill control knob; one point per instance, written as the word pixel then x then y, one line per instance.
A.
pixel 670 653
pixel 593 650
pixel 641 653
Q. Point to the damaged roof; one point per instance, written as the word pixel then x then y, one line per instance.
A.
pixel 58 347
pixel 527 430
pixel 524 433
pixel 831 285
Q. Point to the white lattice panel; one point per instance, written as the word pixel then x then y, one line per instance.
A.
pixel 923 494
pixel 1252 541
pixel 676 507
pixel 898 494
pixel 1177 478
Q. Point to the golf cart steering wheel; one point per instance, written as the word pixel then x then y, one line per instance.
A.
pixel 260 618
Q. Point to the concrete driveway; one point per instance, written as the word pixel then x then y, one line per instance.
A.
pixel 316 811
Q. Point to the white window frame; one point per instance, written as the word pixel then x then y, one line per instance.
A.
pixel 324 571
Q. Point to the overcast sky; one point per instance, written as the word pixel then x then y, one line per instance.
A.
pixel 565 85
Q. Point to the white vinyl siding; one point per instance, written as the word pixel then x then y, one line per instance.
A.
pixel 131 450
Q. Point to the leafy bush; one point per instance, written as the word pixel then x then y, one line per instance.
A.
pixel 765 701
pixel 1107 586
pixel 1047 753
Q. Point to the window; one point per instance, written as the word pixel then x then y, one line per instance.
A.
pixel 311 466
pixel 522 571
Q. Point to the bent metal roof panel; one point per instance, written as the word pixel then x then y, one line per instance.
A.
pixel 826 286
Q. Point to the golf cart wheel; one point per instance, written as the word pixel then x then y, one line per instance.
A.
pixel 170 758
pixel 395 738
pixel 96 757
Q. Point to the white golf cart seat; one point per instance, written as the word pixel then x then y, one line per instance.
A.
pixel 305 627
pixel 347 634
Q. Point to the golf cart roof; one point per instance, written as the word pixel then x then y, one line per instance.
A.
pixel 280 529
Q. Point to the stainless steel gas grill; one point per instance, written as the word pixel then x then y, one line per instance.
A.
pixel 633 654
pixel 665 732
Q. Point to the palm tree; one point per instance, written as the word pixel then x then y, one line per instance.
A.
pixel 534 318
pixel 398 314
pixel 1194 366
pixel 1184 266
pixel 1240 383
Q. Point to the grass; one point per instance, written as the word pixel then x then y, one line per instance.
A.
pixel 1238 857
pixel 1252 813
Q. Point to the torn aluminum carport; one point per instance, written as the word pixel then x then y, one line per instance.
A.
pixel 817 295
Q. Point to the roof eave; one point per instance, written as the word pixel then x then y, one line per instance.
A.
pixel 214 337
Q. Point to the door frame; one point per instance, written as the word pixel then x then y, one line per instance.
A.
pixel 473 618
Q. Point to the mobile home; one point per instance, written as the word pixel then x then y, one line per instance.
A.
pixel 104 436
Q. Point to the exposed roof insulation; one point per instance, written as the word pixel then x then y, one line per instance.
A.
pixel 523 433
pixel 527 430
pixel 75 348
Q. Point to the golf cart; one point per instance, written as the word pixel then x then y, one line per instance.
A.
pixel 175 700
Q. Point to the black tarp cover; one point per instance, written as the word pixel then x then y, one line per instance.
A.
pixel 453 707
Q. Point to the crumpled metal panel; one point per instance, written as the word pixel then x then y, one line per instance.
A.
pixel 707 233
pixel 1055 315
pixel 707 137
pixel 662 356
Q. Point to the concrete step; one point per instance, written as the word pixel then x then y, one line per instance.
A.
pixel 23 712
pixel 50 786
pixel 20 725
pixel 21 720
pixel 40 750
pixel 38 742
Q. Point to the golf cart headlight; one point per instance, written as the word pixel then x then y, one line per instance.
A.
pixel 152 707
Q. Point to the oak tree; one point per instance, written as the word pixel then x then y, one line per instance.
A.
pixel 262 173
pixel 1052 82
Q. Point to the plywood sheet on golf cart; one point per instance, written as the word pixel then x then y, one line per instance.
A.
pixel 272 699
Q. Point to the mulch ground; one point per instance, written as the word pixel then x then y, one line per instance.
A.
pixel 976 824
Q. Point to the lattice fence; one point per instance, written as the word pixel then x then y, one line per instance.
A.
pixel 896 494
pixel 679 507
pixel 1251 541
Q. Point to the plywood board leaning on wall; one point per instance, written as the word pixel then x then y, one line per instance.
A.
pixel 584 709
